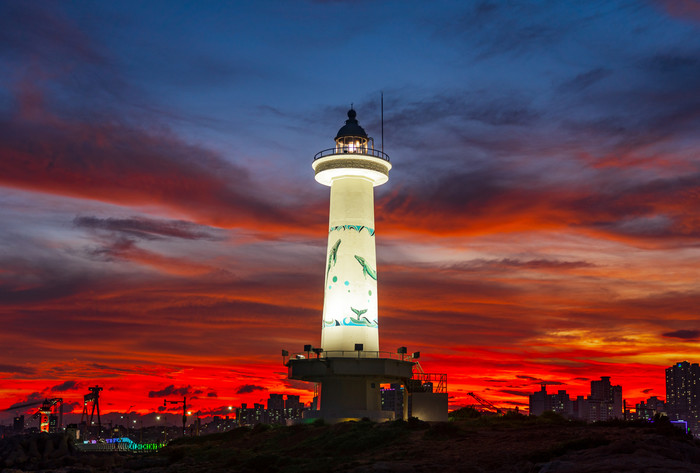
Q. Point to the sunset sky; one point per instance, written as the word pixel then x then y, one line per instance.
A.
pixel 161 232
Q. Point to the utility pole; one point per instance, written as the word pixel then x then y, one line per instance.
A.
pixel 184 412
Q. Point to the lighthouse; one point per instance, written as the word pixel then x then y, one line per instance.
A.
pixel 352 169
pixel 348 366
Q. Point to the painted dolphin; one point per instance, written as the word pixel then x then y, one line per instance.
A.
pixel 332 256
pixel 358 312
pixel 366 270
pixel 359 320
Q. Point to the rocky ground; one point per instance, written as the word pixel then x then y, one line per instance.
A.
pixel 510 444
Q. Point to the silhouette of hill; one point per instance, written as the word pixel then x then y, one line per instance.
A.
pixel 512 444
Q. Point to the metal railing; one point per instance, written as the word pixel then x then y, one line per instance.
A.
pixel 349 354
pixel 438 381
pixel 346 150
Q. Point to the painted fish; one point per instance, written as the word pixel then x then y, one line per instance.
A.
pixel 366 269
pixel 332 256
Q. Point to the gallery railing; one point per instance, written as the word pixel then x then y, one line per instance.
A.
pixel 347 150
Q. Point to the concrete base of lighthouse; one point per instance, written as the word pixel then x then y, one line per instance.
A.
pixel 350 386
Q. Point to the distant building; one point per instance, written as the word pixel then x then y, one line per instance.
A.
pixel 279 411
pixel 579 408
pixel 646 410
pixel 293 408
pixel 73 431
pixel 560 402
pixel 18 424
pixel 276 401
pixel 540 401
pixel 683 394
pixel 53 424
pixel 605 401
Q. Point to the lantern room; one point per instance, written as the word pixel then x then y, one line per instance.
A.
pixel 352 138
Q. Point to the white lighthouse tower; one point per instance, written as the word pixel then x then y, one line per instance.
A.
pixel 349 365
pixel 352 169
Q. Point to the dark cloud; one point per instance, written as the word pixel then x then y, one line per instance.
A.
pixel 15 369
pixel 30 278
pixel 683 334
pixel 32 399
pixel 686 10
pixel 163 170
pixel 67 386
pixel 72 406
pixel 40 30
pixel 510 263
pixel 529 378
pixel 460 111
pixel 494 28
pixel 171 391
pixel 515 392
pixel 148 229
pixel 212 394
pixel 218 411
pixel 647 391
pixel 674 63
pixel 584 80
pixel 249 388
pixel 660 210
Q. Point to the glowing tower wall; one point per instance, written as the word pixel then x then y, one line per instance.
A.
pixel 352 169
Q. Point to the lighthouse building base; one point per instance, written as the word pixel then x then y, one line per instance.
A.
pixel 350 387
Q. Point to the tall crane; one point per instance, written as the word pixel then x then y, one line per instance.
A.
pixel 93 397
pixel 184 412
pixel 486 403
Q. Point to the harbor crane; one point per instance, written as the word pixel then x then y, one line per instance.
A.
pixel 93 397
pixel 486 404
pixel 44 413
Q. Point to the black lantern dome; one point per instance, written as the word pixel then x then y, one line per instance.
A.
pixel 351 127
pixel 351 138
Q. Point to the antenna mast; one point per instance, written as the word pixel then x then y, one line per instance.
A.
pixel 382 122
